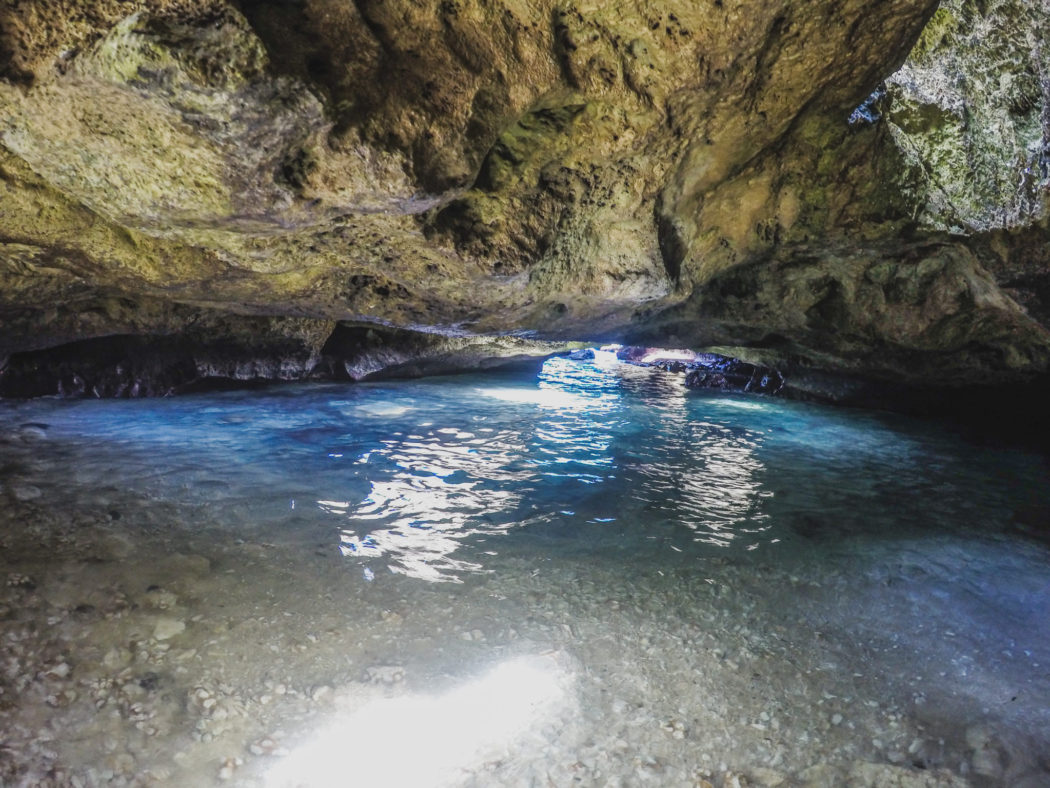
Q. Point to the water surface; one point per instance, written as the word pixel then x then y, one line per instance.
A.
pixel 593 576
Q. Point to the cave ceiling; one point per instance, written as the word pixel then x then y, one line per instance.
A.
pixel 859 184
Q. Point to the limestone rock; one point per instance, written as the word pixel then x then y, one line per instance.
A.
pixel 217 347
pixel 926 313
pixel 219 351
pixel 364 353
pixel 970 106
pixel 167 628
pixel 202 170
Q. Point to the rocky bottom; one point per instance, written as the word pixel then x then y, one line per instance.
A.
pixel 135 655
pixel 857 602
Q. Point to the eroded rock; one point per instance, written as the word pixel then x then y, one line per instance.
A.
pixel 636 171
pixel 711 371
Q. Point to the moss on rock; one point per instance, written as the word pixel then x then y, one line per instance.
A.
pixel 579 170
pixel 968 108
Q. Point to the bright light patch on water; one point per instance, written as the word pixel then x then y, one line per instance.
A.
pixel 667 354
pixel 740 404
pixel 419 522
pixel 427 740
pixel 547 397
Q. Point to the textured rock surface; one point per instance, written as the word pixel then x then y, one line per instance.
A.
pixel 904 311
pixel 218 351
pixel 670 170
pixel 241 349
pixel 364 353
pixel 970 109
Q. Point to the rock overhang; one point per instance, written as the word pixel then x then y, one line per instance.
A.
pixel 644 171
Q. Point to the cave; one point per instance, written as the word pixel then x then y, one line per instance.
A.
pixel 485 393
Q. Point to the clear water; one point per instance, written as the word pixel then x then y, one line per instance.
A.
pixel 590 577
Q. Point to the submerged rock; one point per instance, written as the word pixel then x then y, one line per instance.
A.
pixel 711 371
pixel 702 370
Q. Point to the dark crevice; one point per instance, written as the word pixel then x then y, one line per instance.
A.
pixel 673 246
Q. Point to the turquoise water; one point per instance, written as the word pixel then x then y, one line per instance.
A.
pixel 795 587
pixel 417 476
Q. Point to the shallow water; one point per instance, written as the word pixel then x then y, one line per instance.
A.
pixel 593 577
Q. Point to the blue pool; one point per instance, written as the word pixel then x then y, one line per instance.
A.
pixel 695 586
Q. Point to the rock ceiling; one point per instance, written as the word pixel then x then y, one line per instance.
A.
pixel 657 171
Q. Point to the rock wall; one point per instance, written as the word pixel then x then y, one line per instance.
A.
pixel 670 171
pixel 970 108
pixel 220 351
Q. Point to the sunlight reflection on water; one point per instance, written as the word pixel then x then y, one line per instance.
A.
pixel 418 477
pixel 430 492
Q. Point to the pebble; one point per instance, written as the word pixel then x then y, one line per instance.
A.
pixel 121 763
pixel 61 699
pixel 385 674
pixel 267 745
pixel 202 698
pixel 116 658
pixel 836 719
pixel 674 727
pixel 160 599
pixel 229 766
pixel 168 628
pixel 25 492
pixel 59 671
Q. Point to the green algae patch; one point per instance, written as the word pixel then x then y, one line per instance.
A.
pixel 935 35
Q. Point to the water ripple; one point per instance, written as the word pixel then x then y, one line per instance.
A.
pixel 421 477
